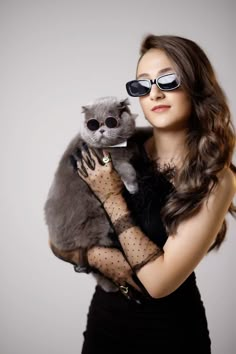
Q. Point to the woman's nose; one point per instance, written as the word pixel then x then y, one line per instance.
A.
pixel 156 92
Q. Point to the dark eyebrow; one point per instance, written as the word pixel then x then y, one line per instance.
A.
pixel 162 71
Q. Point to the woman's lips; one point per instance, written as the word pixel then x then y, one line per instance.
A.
pixel 160 108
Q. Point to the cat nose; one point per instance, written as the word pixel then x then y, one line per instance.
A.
pixel 102 131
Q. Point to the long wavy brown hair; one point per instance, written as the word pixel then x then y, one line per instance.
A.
pixel 211 134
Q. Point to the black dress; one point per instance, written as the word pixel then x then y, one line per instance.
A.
pixel 173 324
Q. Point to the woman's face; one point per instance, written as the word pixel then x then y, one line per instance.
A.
pixel 166 110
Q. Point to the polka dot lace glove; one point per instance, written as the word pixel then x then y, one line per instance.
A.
pixel 99 174
pixel 113 265
pixel 138 248
pixel 97 171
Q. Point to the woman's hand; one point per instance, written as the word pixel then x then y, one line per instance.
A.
pixel 98 172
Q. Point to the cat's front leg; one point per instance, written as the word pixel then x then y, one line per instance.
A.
pixel 128 175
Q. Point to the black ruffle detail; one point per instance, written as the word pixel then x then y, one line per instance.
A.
pixel 146 204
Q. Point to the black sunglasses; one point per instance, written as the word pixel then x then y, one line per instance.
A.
pixel 138 88
pixel 111 122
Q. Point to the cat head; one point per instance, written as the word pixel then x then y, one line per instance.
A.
pixel 119 126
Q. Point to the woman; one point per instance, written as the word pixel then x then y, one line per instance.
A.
pixel 186 187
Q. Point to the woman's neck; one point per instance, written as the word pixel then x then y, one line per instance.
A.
pixel 167 148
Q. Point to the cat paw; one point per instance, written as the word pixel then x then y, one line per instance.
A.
pixel 132 188
pixel 105 283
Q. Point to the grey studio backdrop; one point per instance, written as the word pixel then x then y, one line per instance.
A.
pixel 55 57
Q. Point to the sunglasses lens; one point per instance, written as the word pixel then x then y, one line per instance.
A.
pixel 137 88
pixel 168 82
pixel 111 122
pixel 93 124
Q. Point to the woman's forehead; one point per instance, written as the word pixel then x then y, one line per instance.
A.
pixel 154 62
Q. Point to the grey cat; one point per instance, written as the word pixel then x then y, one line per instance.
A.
pixel 74 216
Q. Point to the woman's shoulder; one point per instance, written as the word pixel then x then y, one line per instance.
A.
pixel 227 180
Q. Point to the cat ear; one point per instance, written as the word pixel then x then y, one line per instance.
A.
pixel 123 106
pixel 85 109
pixel 134 116
pixel 124 103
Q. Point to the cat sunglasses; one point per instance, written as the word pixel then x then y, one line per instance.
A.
pixel 111 122
pixel 167 82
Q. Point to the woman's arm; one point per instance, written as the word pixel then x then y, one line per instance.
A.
pixel 184 250
pixel 165 272
pixel 112 264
